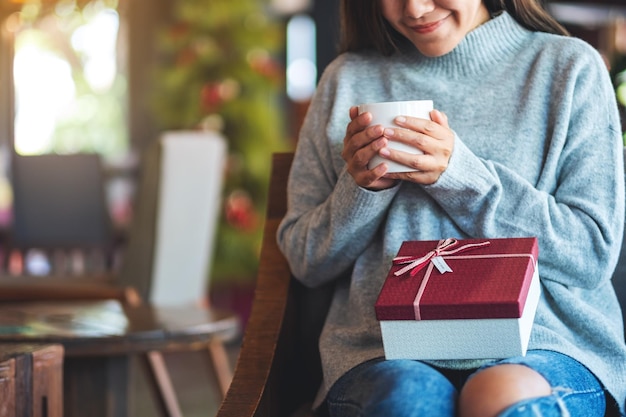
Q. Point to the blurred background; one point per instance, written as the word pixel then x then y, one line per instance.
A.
pixel 109 76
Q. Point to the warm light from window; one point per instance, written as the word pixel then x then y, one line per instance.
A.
pixel 42 96
pixel 68 89
pixel 96 41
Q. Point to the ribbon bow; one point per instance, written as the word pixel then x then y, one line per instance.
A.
pixel 444 247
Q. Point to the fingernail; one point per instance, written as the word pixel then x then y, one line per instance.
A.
pixel 384 152
pixel 388 132
pixel 400 119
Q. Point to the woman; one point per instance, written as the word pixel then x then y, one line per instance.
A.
pixel 524 141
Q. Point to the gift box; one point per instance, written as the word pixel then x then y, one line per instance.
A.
pixel 460 299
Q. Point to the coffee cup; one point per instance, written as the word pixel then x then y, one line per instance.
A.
pixel 384 114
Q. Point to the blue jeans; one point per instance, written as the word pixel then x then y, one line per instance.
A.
pixel 403 388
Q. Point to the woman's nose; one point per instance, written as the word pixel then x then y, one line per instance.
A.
pixel 415 9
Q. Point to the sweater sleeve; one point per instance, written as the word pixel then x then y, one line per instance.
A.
pixel 576 205
pixel 330 220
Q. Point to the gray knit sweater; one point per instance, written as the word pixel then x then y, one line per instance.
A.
pixel 538 152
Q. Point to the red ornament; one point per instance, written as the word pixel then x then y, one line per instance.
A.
pixel 267 67
pixel 240 211
pixel 210 96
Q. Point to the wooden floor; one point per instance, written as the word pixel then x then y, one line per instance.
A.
pixel 197 391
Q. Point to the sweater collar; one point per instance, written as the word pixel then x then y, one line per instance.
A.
pixel 481 49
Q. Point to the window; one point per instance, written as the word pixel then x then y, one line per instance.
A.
pixel 68 78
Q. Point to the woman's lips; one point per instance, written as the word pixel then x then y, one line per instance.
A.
pixel 428 27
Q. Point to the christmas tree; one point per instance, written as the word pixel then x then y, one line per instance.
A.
pixel 221 71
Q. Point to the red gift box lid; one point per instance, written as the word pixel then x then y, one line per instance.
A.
pixel 490 281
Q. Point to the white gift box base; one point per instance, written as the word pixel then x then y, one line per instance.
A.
pixel 464 338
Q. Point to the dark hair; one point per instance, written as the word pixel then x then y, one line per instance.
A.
pixel 364 27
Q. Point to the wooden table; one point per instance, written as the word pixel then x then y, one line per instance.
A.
pixel 99 338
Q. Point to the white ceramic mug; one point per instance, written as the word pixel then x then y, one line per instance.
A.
pixel 384 113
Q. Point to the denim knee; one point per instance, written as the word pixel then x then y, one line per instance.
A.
pixel 392 388
pixel 575 390
pixel 561 403
pixel 408 388
pixel 548 406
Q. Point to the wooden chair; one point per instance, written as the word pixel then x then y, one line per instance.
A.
pixel 59 205
pixel 59 208
pixel 278 371
pixel 168 253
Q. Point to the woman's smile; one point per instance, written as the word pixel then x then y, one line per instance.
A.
pixel 426 28
pixel 435 27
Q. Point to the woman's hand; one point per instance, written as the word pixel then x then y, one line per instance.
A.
pixel 434 137
pixel 361 144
